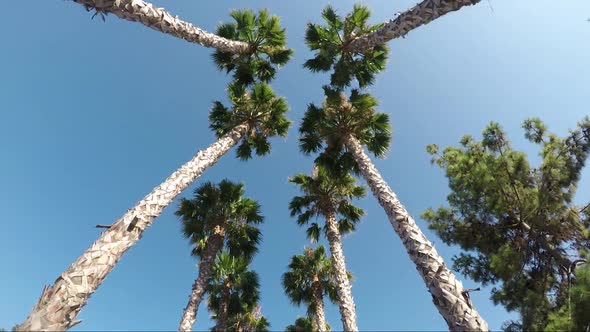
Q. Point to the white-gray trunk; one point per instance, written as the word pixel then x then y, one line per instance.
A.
pixel 318 299
pixel 447 292
pixel 159 19
pixel 189 315
pixel 59 304
pixel 343 288
pixel 423 13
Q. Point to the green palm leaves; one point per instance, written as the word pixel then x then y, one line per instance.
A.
pixel 234 294
pixel 259 109
pixel 330 45
pixel 323 195
pixel 304 270
pixel 324 129
pixel 267 42
pixel 221 205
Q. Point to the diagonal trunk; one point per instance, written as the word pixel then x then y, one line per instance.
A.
pixel 159 19
pixel 423 13
pixel 59 304
pixel 223 309
pixel 448 294
pixel 318 300
pixel 345 300
pixel 189 316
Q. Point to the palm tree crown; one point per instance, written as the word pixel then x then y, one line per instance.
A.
pixel 325 128
pixel 303 269
pixel 325 194
pixel 224 204
pixel 234 286
pixel 330 45
pixel 259 109
pixel 266 39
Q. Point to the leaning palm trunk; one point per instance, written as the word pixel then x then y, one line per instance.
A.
pixel 423 13
pixel 189 316
pixel 448 294
pixel 318 301
pixel 343 289
pixel 159 19
pixel 59 304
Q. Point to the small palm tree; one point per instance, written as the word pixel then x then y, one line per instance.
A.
pixel 338 130
pixel 328 196
pixel 329 43
pixel 266 39
pixel 255 116
pixel 309 278
pixel 233 291
pixel 218 216
pixel 304 324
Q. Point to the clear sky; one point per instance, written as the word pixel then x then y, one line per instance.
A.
pixel 95 114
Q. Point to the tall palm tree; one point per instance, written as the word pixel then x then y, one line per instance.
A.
pixel 268 43
pixel 234 294
pixel 328 42
pixel 356 50
pixel 218 216
pixel 328 197
pixel 161 20
pixel 423 13
pixel 254 116
pixel 340 128
pixel 309 278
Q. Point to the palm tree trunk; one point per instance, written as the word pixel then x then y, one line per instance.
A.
pixel 223 310
pixel 159 19
pixel 343 288
pixel 59 304
pixel 423 13
pixel 189 316
pixel 318 299
pixel 448 294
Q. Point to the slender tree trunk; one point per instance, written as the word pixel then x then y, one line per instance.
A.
pixel 318 299
pixel 343 288
pixel 223 309
pixel 59 304
pixel 447 292
pixel 159 19
pixel 423 13
pixel 189 316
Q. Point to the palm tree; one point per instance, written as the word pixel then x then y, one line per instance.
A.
pixel 329 41
pixel 217 217
pixel 340 128
pixel 268 43
pixel 328 196
pixel 160 20
pixel 423 13
pixel 309 278
pixel 233 291
pixel 304 324
pixel 253 118
pixel 354 49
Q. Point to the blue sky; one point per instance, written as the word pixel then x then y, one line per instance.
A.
pixel 95 114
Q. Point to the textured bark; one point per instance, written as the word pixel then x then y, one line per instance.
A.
pixel 223 309
pixel 448 294
pixel 343 288
pixel 423 13
pixel 159 19
pixel 59 304
pixel 318 299
pixel 189 316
